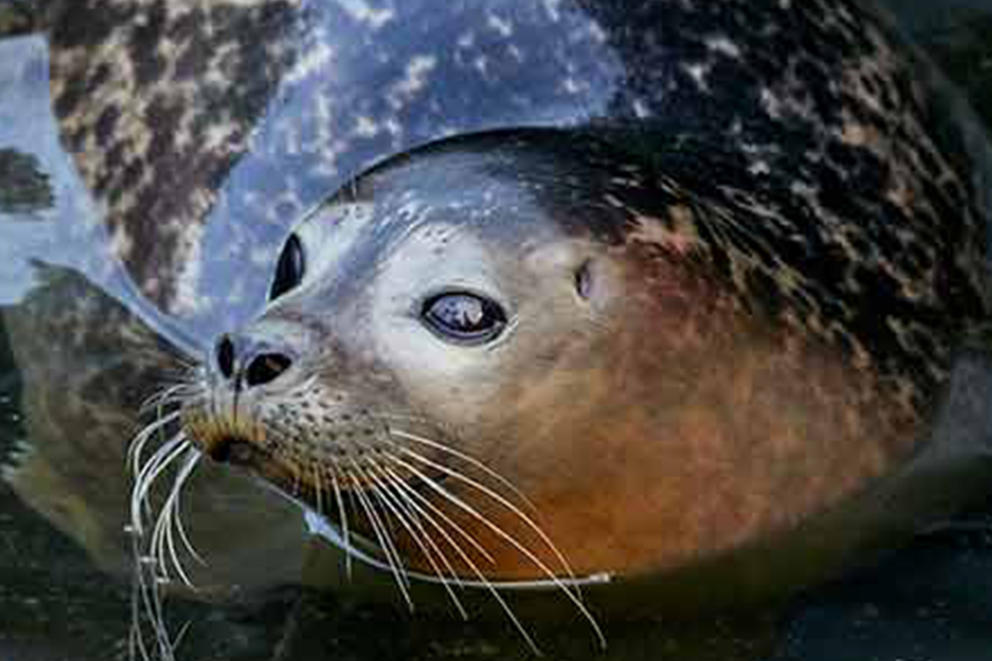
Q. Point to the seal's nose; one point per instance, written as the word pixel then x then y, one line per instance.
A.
pixel 248 362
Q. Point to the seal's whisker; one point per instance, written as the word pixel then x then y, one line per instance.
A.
pixel 418 515
pixel 140 604
pixel 385 542
pixel 387 503
pixel 163 536
pixel 181 527
pixel 398 416
pixel 318 488
pixel 499 499
pixel 146 599
pixel 446 519
pixel 186 365
pixel 153 400
pixel 473 567
pixel 335 485
pixel 464 457
pixel 175 497
pixel 141 439
pixel 177 394
pixel 297 479
pixel 573 595
pixel 148 473
pixel 383 519
pixel 180 399
pixel 397 503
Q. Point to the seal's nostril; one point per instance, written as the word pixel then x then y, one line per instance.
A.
pixel 266 368
pixel 225 357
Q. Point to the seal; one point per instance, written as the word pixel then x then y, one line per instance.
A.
pixel 726 309
pixel 558 281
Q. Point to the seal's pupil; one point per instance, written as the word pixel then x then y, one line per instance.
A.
pixel 289 270
pixel 464 316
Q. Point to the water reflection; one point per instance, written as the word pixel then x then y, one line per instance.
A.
pixel 25 186
pixel 85 349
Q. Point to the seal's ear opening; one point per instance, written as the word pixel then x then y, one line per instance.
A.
pixel 596 284
pixel 584 282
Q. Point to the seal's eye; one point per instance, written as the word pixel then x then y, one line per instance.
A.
pixel 464 317
pixel 289 270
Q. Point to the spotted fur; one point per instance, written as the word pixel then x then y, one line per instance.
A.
pixel 811 165
pixel 157 100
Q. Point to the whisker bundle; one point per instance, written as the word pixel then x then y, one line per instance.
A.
pixel 155 552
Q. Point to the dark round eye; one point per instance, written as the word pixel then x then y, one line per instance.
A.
pixel 464 317
pixel 290 269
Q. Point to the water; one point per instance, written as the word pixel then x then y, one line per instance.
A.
pixel 64 589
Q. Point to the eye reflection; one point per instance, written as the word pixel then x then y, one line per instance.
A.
pixel 464 317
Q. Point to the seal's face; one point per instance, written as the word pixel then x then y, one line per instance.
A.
pixel 421 337
pixel 486 372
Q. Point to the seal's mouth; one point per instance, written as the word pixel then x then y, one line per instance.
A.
pixel 242 444
pixel 230 449
pixel 224 439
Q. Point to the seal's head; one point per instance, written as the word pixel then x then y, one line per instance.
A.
pixel 497 352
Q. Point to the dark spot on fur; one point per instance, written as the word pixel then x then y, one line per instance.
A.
pixel 194 57
pixel 114 158
pixel 106 124
pixel 130 176
pixel 83 24
pixel 187 23
pixel 144 42
pixel 164 114
pixel 73 93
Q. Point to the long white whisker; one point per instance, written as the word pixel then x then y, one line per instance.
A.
pixel 464 457
pixel 385 542
pixel 297 480
pixel 150 563
pixel 396 504
pixel 390 547
pixel 435 511
pixel 146 596
pixel 518 625
pixel 418 514
pixel 527 553
pixel 163 535
pixel 141 439
pixel 344 519
pixel 150 472
pixel 180 527
pixel 499 499
pixel 318 487
pixel 152 401
pixel 179 393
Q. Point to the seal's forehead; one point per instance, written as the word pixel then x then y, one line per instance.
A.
pixel 486 234
pixel 450 221
pixel 515 185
